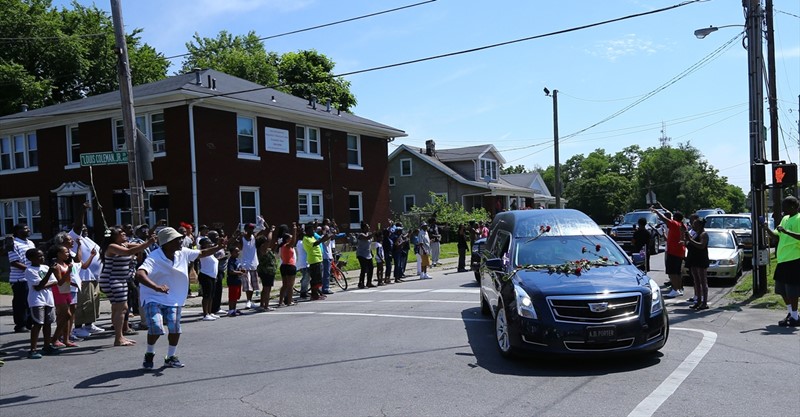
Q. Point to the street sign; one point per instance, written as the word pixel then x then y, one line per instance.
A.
pixel 651 198
pixel 104 158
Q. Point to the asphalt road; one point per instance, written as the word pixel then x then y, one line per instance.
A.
pixel 412 349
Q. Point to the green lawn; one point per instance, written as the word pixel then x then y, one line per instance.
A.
pixel 743 293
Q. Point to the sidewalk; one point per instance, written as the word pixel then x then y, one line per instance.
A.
pixel 352 279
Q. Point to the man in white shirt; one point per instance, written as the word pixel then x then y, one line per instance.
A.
pixel 164 280
pixel 16 277
pixel 249 260
pixel 88 308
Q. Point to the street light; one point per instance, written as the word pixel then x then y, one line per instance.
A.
pixel 555 145
pixel 755 64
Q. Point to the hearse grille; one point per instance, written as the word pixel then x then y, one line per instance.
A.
pixel 595 309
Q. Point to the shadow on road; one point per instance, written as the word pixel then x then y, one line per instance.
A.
pixel 102 381
pixel 481 337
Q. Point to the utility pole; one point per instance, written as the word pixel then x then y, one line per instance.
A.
pixel 555 149
pixel 777 193
pixel 128 114
pixel 755 66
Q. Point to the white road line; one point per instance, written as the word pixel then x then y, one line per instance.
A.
pixel 403 291
pixel 460 290
pixel 649 405
pixel 397 316
pixel 361 291
pixel 429 301
pixel 348 301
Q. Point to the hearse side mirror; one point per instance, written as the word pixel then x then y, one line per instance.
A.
pixel 495 264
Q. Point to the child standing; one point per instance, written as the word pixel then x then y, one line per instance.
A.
pixel 207 278
pixel 377 246
pixel 62 270
pixel 40 301
pixel 235 273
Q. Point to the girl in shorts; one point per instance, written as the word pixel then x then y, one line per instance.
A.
pixel 288 266
pixel 62 270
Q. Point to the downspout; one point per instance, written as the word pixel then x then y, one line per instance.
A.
pixel 195 214
pixel 330 178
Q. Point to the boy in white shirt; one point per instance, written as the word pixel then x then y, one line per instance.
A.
pixel 40 301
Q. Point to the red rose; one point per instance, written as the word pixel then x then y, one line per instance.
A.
pixel 578 270
pixel 597 248
pixel 547 229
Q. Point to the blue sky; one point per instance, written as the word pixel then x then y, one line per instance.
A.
pixel 495 96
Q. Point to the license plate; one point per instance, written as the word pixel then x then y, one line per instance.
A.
pixel 601 333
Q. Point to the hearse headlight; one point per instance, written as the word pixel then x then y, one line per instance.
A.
pixel 524 303
pixel 655 302
pixel 613 233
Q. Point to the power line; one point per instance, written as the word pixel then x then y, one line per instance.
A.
pixel 327 24
pixel 47 38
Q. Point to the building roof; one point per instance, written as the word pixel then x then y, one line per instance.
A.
pixel 229 90
pixel 532 180
pixel 467 153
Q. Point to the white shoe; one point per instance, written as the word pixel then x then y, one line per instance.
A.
pixel 94 329
pixel 248 305
pixel 81 332
pixel 223 312
pixel 208 318
pixel 214 316
pixel 674 293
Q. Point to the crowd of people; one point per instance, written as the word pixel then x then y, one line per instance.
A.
pixel 147 273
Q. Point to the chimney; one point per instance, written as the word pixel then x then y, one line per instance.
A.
pixel 213 83
pixel 197 77
pixel 273 99
pixel 430 147
pixel 23 107
pixel 328 106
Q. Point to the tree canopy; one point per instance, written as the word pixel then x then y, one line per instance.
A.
pixel 303 73
pixel 51 55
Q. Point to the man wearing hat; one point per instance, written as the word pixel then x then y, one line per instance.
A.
pixel 164 279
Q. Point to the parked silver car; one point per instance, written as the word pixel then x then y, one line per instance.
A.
pixel 725 254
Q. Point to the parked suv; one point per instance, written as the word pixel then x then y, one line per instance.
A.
pixel 622 233
pixel 703 213
pixel 742 226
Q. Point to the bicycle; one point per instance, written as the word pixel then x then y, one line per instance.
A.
pixel 337 273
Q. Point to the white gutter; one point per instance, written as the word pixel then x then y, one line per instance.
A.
pixel 195 214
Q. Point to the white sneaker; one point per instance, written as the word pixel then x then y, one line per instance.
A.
pixel 214 316
pixel 91 328
pixel 208 318
pixel 223 312
pixel 248 305
pixel 674 293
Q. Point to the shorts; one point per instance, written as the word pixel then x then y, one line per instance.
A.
pixel 787 290
pixel 234 293
pixel 267 280
pixel 250 281
pixel 673 264
pixel 787 273
pixel 426 260
pixel 315 271
pixel 155 314
pixel 60 298
pixel 43 314
pixel 206 285
pixel 73 296
pixel 288 270
pixel 116 289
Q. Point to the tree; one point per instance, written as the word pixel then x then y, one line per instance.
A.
pixel 518 169
pixel 50 56
pixel 304 73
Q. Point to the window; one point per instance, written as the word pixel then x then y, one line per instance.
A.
pixel 22 210
pixel 391 181
pixel 307 141
pixel 245 135
pixel 405 167
pixel 409 201
pixel 73 146
pixel 356 210
pixel 151 125
pixel 249 206
pixel 19 152
pixel 353 151
pixel 309 205
pixel 488 169
pixel 151 216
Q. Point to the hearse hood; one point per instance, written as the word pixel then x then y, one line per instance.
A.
pixel 597 280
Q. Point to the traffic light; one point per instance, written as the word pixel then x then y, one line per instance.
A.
pixel 784 175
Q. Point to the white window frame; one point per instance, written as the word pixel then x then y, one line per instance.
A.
pixel 70 145
pixel 246 155
pixel 360 209
pixel 257 207
pixel 489 165
pixel 410 167
pixel 10 141
pixel 392 181
pixel 305 152
pixel 440 195
pixel 357 150
pixel 406 208
pixel 310 216
pixel 27 203
pixel 144 122
pixel 151 217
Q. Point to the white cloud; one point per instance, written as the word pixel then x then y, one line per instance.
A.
pixel 627 45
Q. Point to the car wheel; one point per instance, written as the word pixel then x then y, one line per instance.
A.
pixel 502 332
pixel 485 309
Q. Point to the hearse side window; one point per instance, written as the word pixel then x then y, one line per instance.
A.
pixel 501 244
